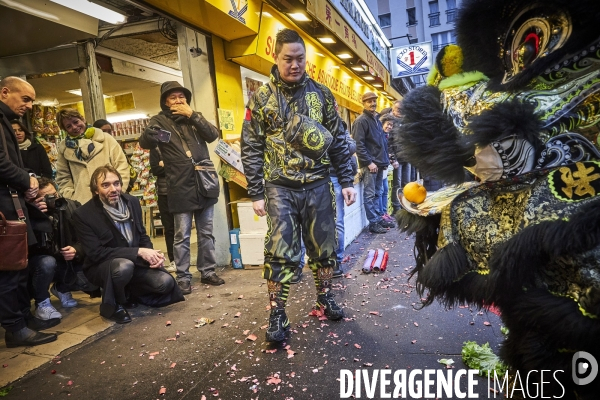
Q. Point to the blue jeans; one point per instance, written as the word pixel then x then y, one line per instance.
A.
pixel 385 189
pixel 206 257
pixel 339 217
pixel 41 273
pixel 372 188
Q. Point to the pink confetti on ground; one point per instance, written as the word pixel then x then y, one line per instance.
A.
pixel 357 345
pixel 168 323
pixel 251 337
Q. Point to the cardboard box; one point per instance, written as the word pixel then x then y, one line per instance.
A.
pixel 231 174
pixel 249 221
pixel 229 155
pixel 252 248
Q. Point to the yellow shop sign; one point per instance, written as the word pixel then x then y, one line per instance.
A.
pixel 259 54
pixel 229 19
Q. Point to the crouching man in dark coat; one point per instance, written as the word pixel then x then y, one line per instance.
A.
pixel 119 253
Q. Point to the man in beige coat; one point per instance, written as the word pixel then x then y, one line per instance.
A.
pixel 84 149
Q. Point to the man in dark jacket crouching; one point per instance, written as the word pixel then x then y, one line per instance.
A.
pixel 119 253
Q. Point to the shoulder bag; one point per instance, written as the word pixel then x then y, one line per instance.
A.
pixel 206 173
pixel 303 133
pixel 13 234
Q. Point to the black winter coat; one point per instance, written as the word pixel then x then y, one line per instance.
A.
pixel 100 238
pixel 36 159
pixel 102 241
pixel 12 172
pixel 158 172
pixel 179 171
pixel 371 145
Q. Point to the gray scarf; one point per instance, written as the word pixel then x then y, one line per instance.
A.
pixel 120 215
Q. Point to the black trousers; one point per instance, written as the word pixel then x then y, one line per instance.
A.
pixel 294 213
pixel 15 304
pixel 168 224
pixel 120 277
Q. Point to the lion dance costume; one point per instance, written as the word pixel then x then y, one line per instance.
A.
pixel 517 104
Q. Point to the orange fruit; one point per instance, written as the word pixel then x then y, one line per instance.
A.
pixel 414 192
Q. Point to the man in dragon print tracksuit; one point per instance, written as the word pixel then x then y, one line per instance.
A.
pixel 292 134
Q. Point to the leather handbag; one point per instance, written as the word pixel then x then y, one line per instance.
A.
pixel 13 244
pixel 13 234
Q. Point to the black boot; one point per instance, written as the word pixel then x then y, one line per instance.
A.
pixel 278 325
pixel 297 276
pixel 332 311
pixel 27 337
pixel 40 324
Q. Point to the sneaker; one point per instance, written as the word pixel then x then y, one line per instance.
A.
pixel 66 298
pixel 212 279
pixel 278 325
pixel 332 311
pixel 297 276
pixel 388 217
pixel 171 267
pixel 376 228
pixel 387 224
pixel 338 273
pixel 185 287
pixel 45 310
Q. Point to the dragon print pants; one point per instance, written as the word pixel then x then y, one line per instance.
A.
pixel 291 213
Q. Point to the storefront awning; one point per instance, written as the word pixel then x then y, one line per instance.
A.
pixel 257 53
pixel 33 25
pixel 225 18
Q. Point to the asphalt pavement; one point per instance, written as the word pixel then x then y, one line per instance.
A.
pixel 167 354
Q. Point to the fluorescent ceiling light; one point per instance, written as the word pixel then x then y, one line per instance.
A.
pixel 359 68
pixel 319 54
pixel 344 55
pixel 93 10
pixel 336 67
pixel 326 39
pixel 299 17
pixel 368 78
pixel 126 117
pixel 377 85
pixel 266 14
pixel 77 92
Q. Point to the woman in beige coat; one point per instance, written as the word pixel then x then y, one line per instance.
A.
pixel 84 149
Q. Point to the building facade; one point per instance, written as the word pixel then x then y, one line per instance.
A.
pixel 416 21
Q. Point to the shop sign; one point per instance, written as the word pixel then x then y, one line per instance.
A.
pixel 327 15
pixel 229 19
pixel 414 59
pixel 319 67
pixel 235 8
pixel 351 11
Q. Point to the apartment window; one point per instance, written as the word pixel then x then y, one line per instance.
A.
pixel 434 13
pixel 439 40
pixel 385 20
pixel 412 16
pixel 450 11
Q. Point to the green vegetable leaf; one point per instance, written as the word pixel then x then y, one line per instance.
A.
pixel 482 358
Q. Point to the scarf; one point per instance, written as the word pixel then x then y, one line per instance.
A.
pixel 82 144
pixel 25 145
pixel 121 217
